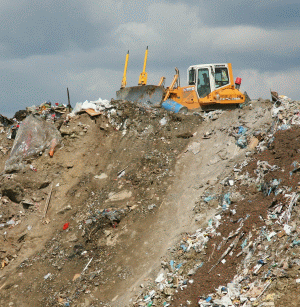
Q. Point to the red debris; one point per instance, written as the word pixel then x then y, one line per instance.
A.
pixel 66 226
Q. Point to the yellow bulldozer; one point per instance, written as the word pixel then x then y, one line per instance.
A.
pixel 209 86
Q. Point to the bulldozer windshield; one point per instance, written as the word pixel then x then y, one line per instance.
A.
pixel 203 84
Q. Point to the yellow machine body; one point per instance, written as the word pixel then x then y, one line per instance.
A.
pixel 143 76
pixel 124 80
pixel 208 84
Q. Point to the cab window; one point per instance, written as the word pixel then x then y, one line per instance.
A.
pixel 203 84
pixel 192 77
pixel 221 76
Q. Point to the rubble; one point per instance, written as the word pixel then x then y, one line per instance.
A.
pixel 80 178
pixel 113 171
pixel 262 249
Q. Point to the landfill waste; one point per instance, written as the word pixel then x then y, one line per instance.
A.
pixel 47 192
pixel 264 249
pixel 4 121
pixel 212 115
pixel 108 184
pixel 97 106
pixel 66 226
pixel 34 136
pixel 46 110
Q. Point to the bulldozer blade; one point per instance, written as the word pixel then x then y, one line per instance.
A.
pixel 147 95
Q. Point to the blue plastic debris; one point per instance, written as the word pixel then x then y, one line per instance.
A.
pixel 208 198
pixel 242 141
pixel 243 245
pixel 178 266
pixel 208 299
pixel 269 191
pixel 284 127
pixel 173 106
pixel 296 242
pixel 224 207
pixel 276 182
pixel 242 130
pixel 183 247
pixel 268 273
pixel 227 198
pixel 172 264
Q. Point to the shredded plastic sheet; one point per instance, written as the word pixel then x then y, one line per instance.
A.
pixel 35 135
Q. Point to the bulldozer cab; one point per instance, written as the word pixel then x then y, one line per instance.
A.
pixel 208 77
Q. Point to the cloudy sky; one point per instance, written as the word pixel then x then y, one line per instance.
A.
pixel 47 46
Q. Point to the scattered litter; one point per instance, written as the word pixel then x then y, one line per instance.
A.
pixel 47 276
pixel 101 176
pixel 66 226
pixel 97 106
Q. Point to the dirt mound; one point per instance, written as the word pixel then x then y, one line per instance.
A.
pixel 143 207
pixel 113 167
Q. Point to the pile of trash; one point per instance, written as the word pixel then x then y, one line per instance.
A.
pixel 286 113
pixel 33 137
pixel 250 247
pixel 93 108
pixel 46 110
pixel 111 167
pixel 103 181
pixel 34 131
pixel 212 115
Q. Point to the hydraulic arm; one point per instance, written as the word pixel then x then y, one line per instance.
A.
pixel 143 75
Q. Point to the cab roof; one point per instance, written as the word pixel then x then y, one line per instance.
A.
pixel 208 65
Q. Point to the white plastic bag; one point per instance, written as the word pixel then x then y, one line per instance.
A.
pixel 35 135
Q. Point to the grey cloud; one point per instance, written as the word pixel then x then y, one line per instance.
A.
pixel 266 13
pixel 50 26
pixel 50 45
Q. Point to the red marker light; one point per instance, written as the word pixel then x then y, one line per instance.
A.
pixel 238 82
